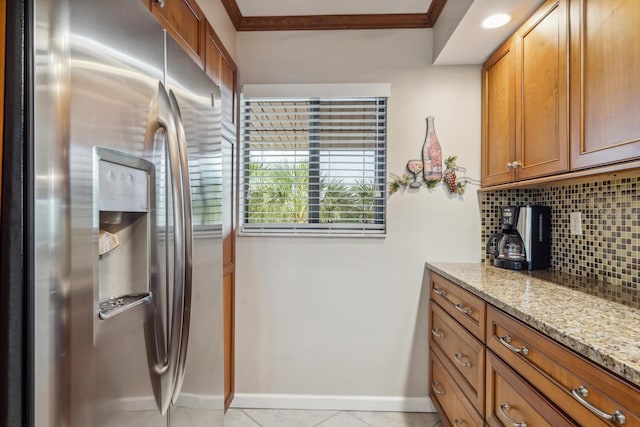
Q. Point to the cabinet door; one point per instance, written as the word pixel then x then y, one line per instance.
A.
pixel 542 145
pixel 212 56
pixel 222 70
pixel 228 82
pixel 604 89
pixel 185 22
pixel 498 116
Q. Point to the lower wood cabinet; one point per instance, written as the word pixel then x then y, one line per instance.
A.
pixel 454 408
pixel 466 308
pixel 464 352
pixel 561 374
pixel 519 377
pixel 513 402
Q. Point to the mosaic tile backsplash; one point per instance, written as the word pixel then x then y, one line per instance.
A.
pixel 609 247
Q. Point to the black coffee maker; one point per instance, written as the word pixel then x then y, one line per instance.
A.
pixel 525 240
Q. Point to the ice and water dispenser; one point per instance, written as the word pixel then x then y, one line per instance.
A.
pixel 124 199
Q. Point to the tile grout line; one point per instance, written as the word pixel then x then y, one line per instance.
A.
pixel 360 419
pixel 250 417
pixel 327 419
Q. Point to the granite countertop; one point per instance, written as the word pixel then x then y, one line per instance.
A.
pixel 598 321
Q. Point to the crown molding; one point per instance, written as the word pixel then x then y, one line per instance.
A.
pixel 333 22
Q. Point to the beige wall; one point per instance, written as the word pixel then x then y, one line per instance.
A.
pixel 219 19
pixel 341 322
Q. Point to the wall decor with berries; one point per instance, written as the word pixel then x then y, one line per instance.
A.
pixel 428 171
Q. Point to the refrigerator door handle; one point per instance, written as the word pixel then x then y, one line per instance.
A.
pixel 162 117
pixel 188 245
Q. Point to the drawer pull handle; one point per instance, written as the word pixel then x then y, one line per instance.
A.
pixel 581 392
pixel 504 408
pixel 437 333
pixel 439 292
pixel 505 342
pixel 458 357
pixel 461 308
pixel 458 421
pixel 435 390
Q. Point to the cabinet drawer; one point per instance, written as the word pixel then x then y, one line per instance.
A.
pixel 465 353
pixel 463 306
pixel 563 375
pixel 455 409
pixel 512 402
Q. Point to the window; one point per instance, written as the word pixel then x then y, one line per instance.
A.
pixel 313 165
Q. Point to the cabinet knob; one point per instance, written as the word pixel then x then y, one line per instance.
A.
pixel 513 165
pixel 160 3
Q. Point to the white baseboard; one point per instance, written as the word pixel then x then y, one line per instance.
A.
pixel 342 403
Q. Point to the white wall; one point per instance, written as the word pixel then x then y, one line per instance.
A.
pixel 345 317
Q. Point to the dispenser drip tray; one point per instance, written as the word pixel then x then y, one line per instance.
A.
pixel 112 306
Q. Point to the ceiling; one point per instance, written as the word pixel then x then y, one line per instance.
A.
pixel 283 15
pixel 330 7
pixel 458 36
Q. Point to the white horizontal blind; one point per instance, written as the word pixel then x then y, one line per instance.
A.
pixel 313 166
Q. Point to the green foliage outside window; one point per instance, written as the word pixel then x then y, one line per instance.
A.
pixel 280 193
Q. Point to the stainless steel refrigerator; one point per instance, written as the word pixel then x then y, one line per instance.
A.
pixel 122 183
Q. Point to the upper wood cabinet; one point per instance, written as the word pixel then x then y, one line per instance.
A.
pixel 498 116
pixel 605 90
pixel 185 22
pixel 228 84
pixel 525 93
pixel 223 71
pixel 542 146
pixel 212 56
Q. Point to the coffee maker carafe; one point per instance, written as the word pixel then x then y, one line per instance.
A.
pixel 525 240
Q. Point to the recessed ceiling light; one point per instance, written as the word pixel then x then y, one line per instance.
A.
pixel 495 21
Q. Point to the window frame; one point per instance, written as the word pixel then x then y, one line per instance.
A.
pixel 313 226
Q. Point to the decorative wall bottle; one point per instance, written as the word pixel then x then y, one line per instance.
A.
pixel 431 153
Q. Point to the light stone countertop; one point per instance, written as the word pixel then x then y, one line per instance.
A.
pixel 579 313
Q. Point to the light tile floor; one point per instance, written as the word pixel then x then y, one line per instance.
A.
pixel 304 418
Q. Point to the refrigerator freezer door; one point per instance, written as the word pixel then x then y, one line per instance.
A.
pixel 96 68
pixel 199 401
